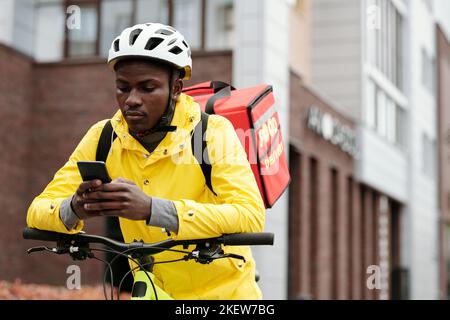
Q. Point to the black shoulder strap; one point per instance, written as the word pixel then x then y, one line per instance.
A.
pixel 104 143
pixel 200 149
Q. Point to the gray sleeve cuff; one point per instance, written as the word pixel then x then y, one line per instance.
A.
pixel 164 215
pixel 67 215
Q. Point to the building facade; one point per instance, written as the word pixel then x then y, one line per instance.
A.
pixel 377 61
pixel 344 234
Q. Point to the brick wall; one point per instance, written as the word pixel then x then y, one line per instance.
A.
pixel 46 109
pixel 15 97
pixel 67 99
pixel 322 239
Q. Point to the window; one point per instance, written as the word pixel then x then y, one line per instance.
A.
pixel 49 35
pixel 391 121
pixel 119 15
pixel 385 41
pixel 385 103
pixel 220 24
pixel 384 115
pixel 204 23
pixel 381 113
pixel 81 39
pixel 400 118
pixel 371 105
pixel 429 156
pixel 187 19
pixel 428 72
pixel 152 11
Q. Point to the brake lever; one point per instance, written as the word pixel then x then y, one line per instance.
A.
pixel 42 248
pixel 233 256
pixel 208 254
pixel 77 252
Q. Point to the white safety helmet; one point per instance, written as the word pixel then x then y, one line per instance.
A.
pixel 155 41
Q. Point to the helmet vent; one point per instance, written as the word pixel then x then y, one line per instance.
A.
pixel 171 42
pixel 116 45
pixel 164 32
pixel 153 43
pixel 176 50
pixel 185 44
pixel 133 36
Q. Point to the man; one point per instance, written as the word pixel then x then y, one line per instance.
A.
pixel 157 184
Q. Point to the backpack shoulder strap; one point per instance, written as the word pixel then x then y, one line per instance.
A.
pixel 200 150
pixel 104 145
pixel 105 141
pixel 112 224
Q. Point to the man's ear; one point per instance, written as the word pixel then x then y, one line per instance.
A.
pixel 177 88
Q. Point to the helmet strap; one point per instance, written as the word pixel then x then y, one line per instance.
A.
pixel 163 124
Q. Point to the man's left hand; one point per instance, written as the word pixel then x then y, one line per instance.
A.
pixel 121 198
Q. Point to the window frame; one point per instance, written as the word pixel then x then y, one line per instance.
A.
pixel 388 118
pixel 384 69
pixel 376 58
pixel 98 5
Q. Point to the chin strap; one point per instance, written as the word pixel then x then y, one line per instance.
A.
pixel 165 129
pixel 164 122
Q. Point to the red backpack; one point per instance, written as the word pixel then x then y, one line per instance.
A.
pixel 253 115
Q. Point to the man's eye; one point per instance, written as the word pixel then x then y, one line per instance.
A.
pixel 148 89
pixel 123 89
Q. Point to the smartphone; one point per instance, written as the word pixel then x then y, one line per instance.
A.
pixel 91 170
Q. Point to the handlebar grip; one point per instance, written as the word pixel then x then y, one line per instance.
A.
pixel 248 239
pixel 36 234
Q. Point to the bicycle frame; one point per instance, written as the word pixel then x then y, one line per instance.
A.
pixel 143 287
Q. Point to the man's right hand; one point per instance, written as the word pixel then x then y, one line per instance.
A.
pixel 78 201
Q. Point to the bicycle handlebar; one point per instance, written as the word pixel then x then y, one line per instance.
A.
pixel 237 239
pixel 36 234
pixel 206 250
pixel 248 239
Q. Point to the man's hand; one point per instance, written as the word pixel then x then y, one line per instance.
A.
pixel 78 200
pixel 120 197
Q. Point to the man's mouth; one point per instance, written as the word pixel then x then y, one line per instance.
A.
pixel 134 115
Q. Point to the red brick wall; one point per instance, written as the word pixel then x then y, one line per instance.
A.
pixel 16 88
pixel 67 99
pixel 46 109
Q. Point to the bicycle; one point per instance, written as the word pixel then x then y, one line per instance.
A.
pixel 78 246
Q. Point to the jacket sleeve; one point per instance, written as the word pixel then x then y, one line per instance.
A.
pixel 43 212
pixel 239 206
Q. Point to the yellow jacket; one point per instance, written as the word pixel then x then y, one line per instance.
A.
pixel 173 173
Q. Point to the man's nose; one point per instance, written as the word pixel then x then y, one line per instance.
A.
pixel 134 99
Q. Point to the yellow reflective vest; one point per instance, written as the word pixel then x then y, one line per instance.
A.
pixel 172 172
